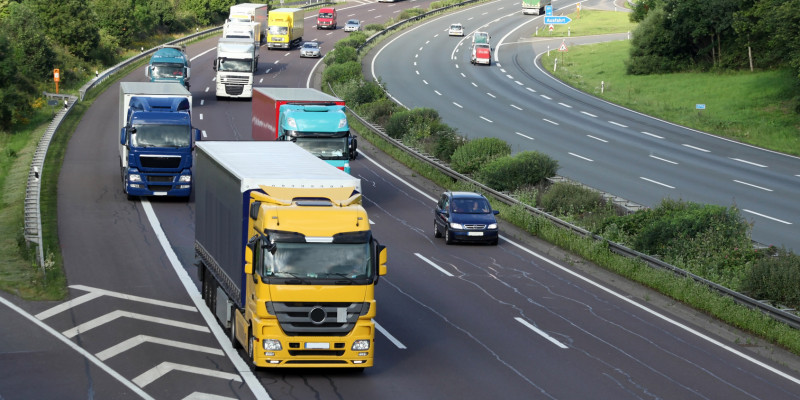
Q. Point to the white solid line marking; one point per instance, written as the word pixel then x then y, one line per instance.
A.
pixel 768 217
pixel 657 182
pixel 565 105
pixel 663 159
pixel 547 120
pixel 432 264
pixel 518 108
pixel 548 98
pixel 491 95
pixel 751 185
pixel 653 135
pixel 617 124
pixel 86 326
pixel 589 114
pixel 525 136
pixel 598 139
pixel 748 162
pixel 141 339
pixel 581 157
pixel 541 332
pixel 457 105
pixel 391 338
pixel 485 119
pixel 696 148
pixel 164 368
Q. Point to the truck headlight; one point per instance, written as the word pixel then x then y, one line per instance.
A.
pixel 291 122
pixel 361 345
pixel 134 178
pixel 342 123
pixel 185 178
pixel 456 226
pixel 272 344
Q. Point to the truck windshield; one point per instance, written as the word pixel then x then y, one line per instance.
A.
pixel 278 30
pixel 318 260
pixel 163 70
pixel 161 136
pixel 325 148
pixel 236 65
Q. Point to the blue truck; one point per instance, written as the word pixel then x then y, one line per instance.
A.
pixel 169 63
pixel 315 120
pixel 156 139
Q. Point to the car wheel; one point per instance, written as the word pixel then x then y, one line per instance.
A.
pixel 448 238
pixel 436 232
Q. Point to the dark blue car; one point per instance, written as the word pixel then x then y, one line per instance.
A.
pixel 465 217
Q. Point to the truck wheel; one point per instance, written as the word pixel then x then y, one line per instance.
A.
pixel 250 350
pixel 234 341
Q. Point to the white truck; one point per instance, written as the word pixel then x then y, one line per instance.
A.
pixel 251 13
pixel 535 7
pixel 242 30
pixel 236 64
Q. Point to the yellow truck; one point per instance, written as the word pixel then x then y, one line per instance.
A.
pixel 284 28
pixel 287 259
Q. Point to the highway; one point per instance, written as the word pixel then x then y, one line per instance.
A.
pixel 607 147
pixel 521 320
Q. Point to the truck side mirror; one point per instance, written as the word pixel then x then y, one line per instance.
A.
pixel 214 65
pixel 122 136
pixel 188 72
pixel 197 135
pixel 147 71
pixel 381 259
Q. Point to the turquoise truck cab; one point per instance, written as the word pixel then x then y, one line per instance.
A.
pixel 169 64
pixel 322 130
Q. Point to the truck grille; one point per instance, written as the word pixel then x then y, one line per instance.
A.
pixel 317 319
pixel 159 188
pixel 234 90
pixel 160 162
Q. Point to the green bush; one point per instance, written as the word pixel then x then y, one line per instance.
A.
pixel 378 112
pixel 412 124
pixel 564 198
pixel 775 278
pixel 341 55
pixel 340 73
pixel 354 40
pixel 409 13
pixel 447 140
pixel 374 27
pixel 525 169
pixel 475 153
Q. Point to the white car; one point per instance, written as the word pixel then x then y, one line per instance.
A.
pixel 310 49
pixel 352 25
pixel 456 30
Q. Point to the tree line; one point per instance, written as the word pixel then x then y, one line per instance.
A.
pixel 79 37
pixel 686 35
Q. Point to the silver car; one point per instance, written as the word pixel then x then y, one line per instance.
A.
pixel 310 49
pixel 352 25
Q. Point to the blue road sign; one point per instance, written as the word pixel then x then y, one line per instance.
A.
pixel 548 11
pixel 700 106
pixel 556 20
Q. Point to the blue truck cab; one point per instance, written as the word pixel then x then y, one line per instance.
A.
pixel 156 139
pixel 322 130
pixel 169 63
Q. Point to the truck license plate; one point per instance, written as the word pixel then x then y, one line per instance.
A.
pixel 317 346
pixel 474 233
pixel 159 193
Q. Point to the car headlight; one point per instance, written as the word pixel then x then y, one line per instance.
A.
pixel 272 344
pixel 134 178
pixel 492 226
pixel 456 226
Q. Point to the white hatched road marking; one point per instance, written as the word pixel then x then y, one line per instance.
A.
pixel 141 339
pixel 86 326
pixel 95 293
pixel 164 368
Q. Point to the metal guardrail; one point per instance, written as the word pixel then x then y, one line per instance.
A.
pixel 771 311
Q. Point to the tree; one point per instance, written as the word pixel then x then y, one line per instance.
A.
pixel 72 23
pixel 28 41
pixel 208 11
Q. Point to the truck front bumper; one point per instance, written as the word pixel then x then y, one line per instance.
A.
pixel 157 185
pixel 354 350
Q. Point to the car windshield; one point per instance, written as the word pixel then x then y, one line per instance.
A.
pixel 153 135
pixel 352 22
pixel 318 260
pixel 471 206
pixel 310 46
pixel 455 27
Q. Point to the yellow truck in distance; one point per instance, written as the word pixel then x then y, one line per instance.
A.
pixel 284 28
pixel 286 255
